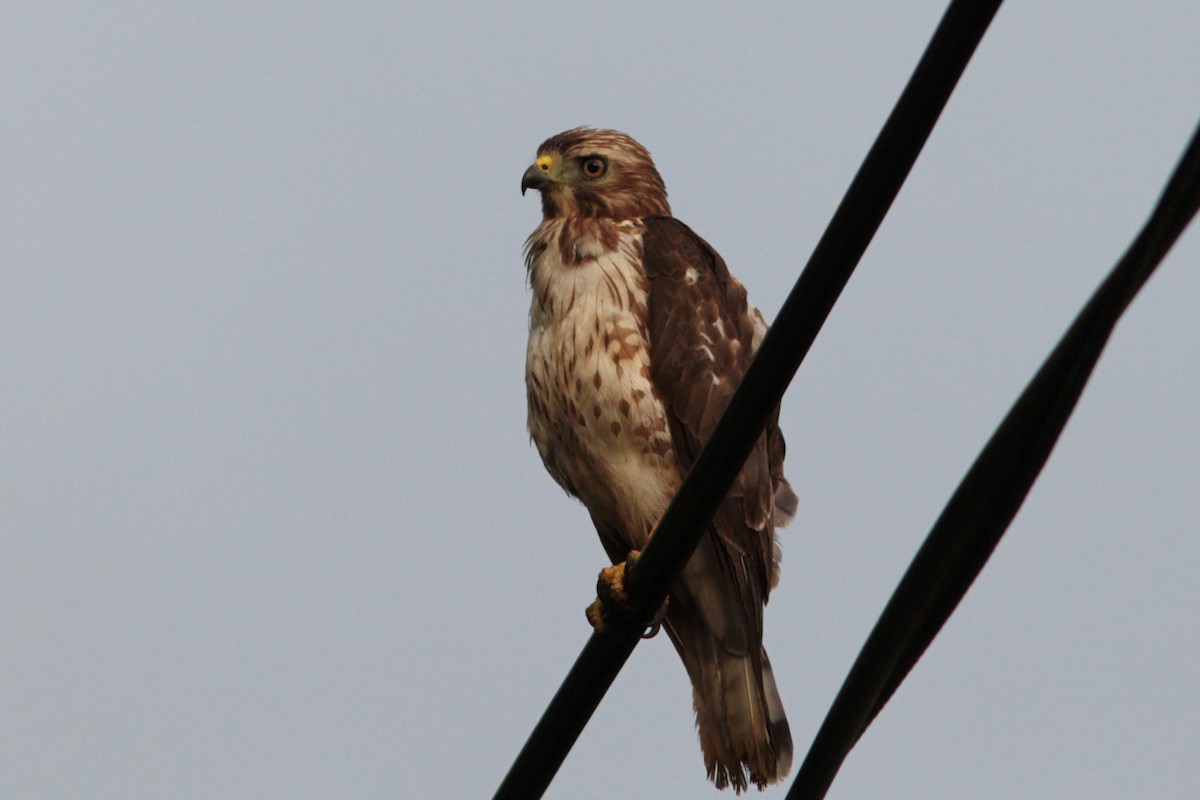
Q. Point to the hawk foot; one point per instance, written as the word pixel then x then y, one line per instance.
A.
pixel 610 593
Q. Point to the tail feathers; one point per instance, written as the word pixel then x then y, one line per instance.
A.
pixel 744 734
pixel 777 724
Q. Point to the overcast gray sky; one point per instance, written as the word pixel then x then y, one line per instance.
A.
pixel 272 526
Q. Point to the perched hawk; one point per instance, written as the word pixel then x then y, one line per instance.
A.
pixel 638 337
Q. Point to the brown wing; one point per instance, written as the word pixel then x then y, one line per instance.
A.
pixel 702 338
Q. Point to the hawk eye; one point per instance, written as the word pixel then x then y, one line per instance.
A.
pixel 594 166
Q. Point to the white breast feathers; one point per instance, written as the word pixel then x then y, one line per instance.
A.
pixel 593 413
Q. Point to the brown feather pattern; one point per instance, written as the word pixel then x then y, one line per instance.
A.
pixel 639 336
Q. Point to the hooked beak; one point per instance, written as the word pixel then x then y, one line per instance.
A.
pixel 534 178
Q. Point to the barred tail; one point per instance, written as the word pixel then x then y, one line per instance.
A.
pixel 744 734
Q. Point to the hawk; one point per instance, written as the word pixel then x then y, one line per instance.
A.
pixel 638 337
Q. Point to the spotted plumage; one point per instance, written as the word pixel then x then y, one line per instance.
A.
pixel 638 337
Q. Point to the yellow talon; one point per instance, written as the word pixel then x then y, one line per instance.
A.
pixel 595 615
pixel 610 591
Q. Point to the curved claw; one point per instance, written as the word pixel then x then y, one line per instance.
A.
pixel 656 624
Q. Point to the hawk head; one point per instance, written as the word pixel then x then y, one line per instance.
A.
pixel 590 172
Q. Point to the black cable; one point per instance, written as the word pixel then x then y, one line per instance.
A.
pixel 987 500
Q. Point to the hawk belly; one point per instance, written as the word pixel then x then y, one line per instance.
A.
pixel 594 415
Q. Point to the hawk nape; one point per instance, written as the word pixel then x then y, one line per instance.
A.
pixel 638 337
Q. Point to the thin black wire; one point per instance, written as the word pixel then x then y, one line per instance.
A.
pixel 992 492
pixel 854 223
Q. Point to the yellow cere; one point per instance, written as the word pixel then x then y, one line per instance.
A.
pixel 544 163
